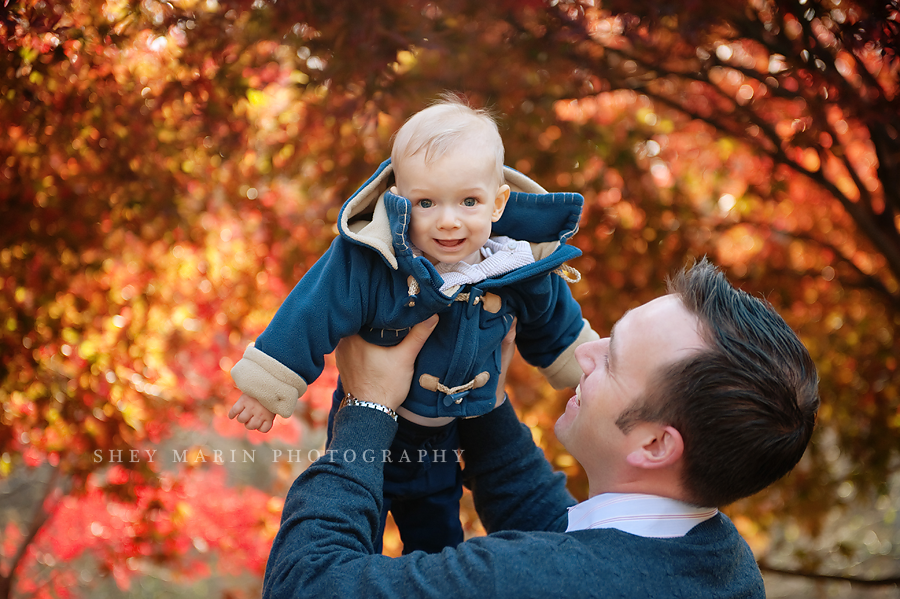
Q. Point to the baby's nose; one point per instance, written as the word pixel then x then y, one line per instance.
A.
pixel 448 218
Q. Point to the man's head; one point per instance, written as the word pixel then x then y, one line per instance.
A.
pixel 721 403
pixel 448 161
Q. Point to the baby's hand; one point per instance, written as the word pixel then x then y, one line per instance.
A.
pixel 252 414
pixel 394 190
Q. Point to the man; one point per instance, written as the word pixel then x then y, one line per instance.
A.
pixel 696 399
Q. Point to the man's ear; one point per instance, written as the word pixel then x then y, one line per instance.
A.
pixel 660 447
pixel 500 202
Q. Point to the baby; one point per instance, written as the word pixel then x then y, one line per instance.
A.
pixel 442 228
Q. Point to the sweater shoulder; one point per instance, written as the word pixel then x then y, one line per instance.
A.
pixel 622 565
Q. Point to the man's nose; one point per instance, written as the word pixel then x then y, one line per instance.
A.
pixel 587 354
pixel 583 357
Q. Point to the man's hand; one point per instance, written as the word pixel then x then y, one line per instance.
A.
pixel 381 374
pixel 252 414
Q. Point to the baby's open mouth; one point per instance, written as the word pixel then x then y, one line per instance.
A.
pixel 449 243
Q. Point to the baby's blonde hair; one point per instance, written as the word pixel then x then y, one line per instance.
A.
pixel 443 125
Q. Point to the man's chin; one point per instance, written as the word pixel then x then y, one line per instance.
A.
pixel 561 428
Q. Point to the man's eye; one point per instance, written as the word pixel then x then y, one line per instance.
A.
pixel 470 202
pixel 425 203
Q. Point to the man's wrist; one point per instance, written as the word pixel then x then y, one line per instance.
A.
pixel 350 400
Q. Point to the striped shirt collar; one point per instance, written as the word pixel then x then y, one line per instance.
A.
pixel 499 255
pixel 641 515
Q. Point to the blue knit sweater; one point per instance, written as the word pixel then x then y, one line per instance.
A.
pixel 331 519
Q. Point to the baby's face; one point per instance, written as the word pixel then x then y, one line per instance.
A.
pixel 455 201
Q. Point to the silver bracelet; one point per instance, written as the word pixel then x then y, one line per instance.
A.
pixel 349 400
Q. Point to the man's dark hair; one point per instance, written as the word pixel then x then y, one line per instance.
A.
pixel 745 406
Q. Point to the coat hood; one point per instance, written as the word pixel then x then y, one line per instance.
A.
pixel 379 220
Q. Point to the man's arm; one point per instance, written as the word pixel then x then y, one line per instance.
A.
pixel 324 547
pixel 513 485
pixel 331 516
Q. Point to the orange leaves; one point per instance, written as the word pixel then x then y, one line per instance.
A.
pixel 182 527
pixel 318 395
pixel 170 170
pixel 738 247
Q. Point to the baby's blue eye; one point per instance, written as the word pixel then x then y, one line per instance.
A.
pixel 470 202
pixel 425 203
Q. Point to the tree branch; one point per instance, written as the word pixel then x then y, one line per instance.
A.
pixel 867 281
pixel 863 218
pixel 885 243
pixel 734 107
pixel 41 515
pixel 888 154
pixel 817 50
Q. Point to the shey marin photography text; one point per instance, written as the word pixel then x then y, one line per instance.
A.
pixel 218 456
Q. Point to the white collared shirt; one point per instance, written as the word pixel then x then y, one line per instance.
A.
pixel 640 515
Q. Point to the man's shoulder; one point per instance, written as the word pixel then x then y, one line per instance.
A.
pixel 585 562
pixel 711 560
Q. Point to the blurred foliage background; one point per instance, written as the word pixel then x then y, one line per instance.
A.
pixel 169 169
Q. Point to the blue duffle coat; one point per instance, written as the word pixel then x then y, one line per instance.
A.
pixel 370 282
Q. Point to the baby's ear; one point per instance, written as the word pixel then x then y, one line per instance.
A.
pixel 500 202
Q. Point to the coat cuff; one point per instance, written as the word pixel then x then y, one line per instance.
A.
pixel 565 372
pixel 268 381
